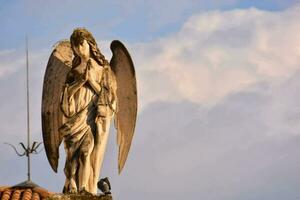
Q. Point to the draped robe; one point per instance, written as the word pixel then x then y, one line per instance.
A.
pixel 85 133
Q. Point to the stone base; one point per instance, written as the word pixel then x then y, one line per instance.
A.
pixel 79 197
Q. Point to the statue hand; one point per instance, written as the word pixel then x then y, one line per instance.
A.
pixel 86 74
pixel 88 70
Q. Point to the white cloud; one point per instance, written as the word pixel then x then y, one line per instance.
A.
pixel 222 152
pixel 215 57
pixel 214 54
pixel 217 53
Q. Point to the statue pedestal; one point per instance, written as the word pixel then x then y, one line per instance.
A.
pixel 79 197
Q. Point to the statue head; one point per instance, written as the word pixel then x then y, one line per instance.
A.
pixel 78 37
pixel 82 50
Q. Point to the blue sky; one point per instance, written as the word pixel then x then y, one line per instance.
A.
pixel 218 81
pixel 130 20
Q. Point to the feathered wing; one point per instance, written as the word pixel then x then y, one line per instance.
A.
pixel 58 66
pixel 125 118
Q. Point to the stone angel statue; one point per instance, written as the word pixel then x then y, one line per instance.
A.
pixel 82 93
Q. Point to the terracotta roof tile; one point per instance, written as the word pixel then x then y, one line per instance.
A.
pixel 16 195
pixel 6 195
pixel 13 193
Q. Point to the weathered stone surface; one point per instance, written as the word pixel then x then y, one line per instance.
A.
pixel 82 93
pixel 79 197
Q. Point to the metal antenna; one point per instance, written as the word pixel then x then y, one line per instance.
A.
pixel 33 149
pixel 28 116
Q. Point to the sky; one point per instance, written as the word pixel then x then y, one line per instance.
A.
pixel 219 116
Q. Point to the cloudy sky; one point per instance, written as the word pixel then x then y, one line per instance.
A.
pixel 218 86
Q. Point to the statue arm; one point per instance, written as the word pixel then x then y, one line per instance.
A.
pixel 73 88
pixel 96 86
pixel 73 85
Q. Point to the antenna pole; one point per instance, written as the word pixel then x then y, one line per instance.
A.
pixel 35 145
pixel 28 119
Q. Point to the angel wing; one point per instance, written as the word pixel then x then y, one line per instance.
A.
pixel 125 119
pixel 58 66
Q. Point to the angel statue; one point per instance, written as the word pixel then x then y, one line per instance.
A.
pixel 82 93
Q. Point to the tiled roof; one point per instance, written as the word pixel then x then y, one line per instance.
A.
pixel 23 193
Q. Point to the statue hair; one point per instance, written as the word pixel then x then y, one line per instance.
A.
pixel 77 37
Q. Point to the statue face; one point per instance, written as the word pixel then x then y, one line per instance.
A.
pixel 83 50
